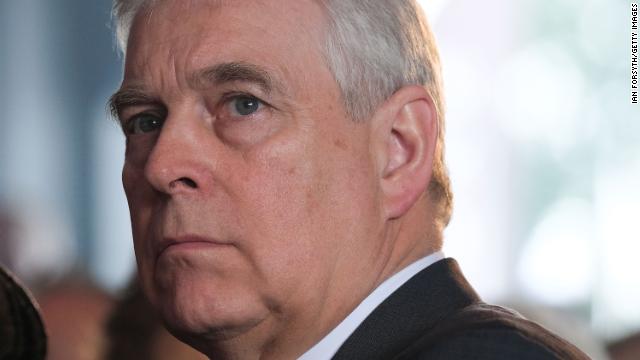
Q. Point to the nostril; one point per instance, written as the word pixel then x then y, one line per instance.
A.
pixel 184 181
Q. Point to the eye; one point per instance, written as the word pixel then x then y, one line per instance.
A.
pixel 144 123
pixel 244 105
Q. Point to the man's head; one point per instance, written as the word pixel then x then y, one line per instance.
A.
pixel 278 159
pixel 370 62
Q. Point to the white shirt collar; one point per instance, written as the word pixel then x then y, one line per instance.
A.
pixel 329 345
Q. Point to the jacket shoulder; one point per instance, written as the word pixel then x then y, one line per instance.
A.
pixel 483 331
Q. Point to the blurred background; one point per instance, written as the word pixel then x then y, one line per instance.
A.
pixel 543 147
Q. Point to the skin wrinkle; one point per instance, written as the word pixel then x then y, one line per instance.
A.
pixel 133 96
pixel 230 72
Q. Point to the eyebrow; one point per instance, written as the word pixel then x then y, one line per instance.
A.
pixel 235 71
pixel 129 96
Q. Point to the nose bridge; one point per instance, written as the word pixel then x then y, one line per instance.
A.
pixel 177 161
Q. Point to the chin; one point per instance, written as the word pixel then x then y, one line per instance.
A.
pixel 206 310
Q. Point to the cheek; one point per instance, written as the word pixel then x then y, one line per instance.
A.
pixel 140 200
pixel 138 148
pixel 282 195
pixel 137 191
pixel 281 190
pixel 293 196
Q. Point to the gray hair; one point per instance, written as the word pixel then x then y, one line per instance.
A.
pixel 373 48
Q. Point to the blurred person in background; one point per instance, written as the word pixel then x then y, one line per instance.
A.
pixel 627 348
pixel 134 331
pixel 286 181
pixel 74 311
pixel 35 245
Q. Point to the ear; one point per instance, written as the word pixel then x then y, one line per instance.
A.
pixel 405 133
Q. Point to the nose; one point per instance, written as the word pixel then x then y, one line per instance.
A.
pixel 178 162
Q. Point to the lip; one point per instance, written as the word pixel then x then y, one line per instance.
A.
pixel 194 240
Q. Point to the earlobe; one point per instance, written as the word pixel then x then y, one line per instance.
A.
pixel 408 140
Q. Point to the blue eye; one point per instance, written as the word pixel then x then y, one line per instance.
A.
pixel 245 105
pixel 144 123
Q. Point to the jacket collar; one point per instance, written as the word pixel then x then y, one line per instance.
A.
pixel 413 309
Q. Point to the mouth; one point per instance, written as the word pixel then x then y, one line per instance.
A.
pixel 187 242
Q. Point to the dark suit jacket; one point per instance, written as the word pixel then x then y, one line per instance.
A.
pixel 437 315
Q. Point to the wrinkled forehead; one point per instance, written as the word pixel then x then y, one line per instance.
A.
pixel 275 22
pixel 173 40
pixel 145 10
pixel 126 10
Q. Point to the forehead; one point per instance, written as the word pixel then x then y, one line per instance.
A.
pixel 190 34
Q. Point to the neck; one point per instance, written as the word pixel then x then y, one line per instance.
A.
pixel 410 239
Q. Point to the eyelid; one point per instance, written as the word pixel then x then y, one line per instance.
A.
pixel 128 123
pixel 227 97
pixel 129 99
pixel 230 95
pixel 131 111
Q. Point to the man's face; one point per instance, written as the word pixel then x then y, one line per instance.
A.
pixel 253 196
